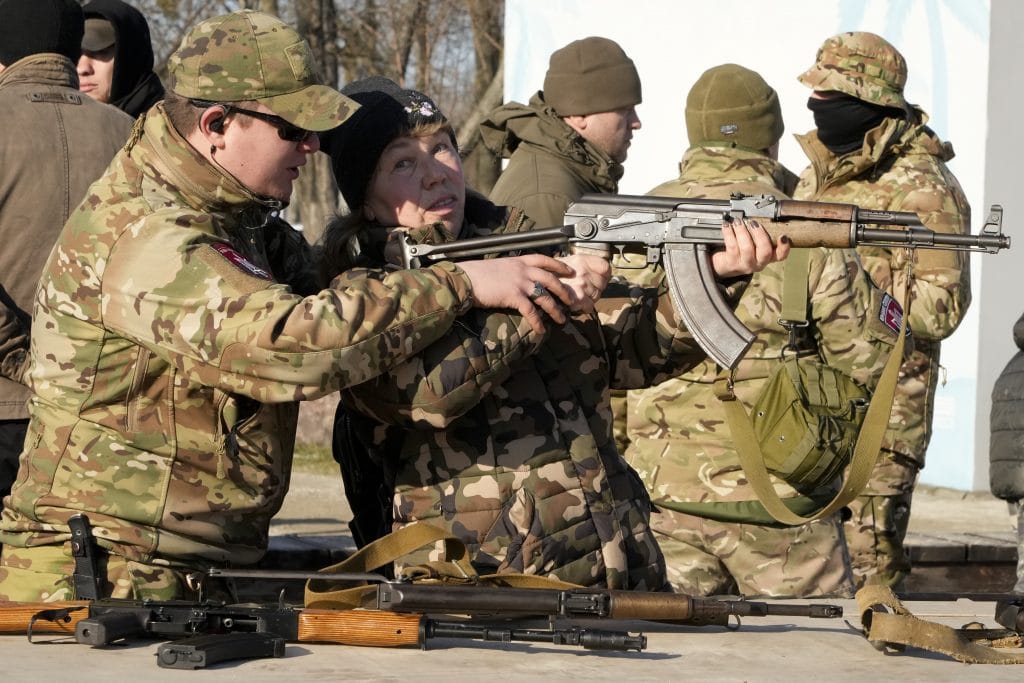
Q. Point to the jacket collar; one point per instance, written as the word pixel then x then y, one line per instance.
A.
pixel 47 68
pixel 733 165
pixel 882 145
pixel 538 125
pixel 166 155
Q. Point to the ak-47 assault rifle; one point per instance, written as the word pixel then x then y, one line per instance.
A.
pixel 680 234
pixel 214 632
pixel 553 603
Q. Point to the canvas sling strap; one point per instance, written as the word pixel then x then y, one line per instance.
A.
pixel 454 569
pixel 890 626
pixel 876 420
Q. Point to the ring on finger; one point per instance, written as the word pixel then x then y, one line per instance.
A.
pixel 539 290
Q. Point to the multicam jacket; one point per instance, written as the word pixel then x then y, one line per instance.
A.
pixel 168 361
pixel 504 438
pixel 679 441
pixel 902 167
pixel 550 165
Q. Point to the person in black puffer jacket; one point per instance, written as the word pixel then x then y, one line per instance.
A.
pixel 1006 447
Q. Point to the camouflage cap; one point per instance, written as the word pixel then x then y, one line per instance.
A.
pixel 250 55
pixel 860 64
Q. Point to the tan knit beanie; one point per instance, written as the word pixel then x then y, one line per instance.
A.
pixel 734 106
pixel 591 75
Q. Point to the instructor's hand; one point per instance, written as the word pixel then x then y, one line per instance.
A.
pixel 529 284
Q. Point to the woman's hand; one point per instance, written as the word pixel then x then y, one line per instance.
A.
pixel 590 277
pixel 528 284
pixel 748 249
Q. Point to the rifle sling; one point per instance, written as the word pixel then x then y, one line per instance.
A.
pixel 888 625
pixel 456 568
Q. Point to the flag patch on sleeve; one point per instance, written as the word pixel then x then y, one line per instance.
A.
pixel 891 313
pixel 240 261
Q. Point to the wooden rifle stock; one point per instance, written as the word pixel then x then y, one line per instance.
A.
pixel 18 617
pixel 360 627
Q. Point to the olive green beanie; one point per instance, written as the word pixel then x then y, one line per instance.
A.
pixel 733 105
pixel 591 75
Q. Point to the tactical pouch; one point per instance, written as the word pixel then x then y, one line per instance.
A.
pixel 810 421
pixel 806 421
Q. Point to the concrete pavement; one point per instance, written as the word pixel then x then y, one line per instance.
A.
pixel 782 649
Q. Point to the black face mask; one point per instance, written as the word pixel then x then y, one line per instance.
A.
pixel 843 120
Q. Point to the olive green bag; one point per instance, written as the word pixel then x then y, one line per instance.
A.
pixel 810 420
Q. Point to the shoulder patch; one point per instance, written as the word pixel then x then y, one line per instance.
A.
pixel 891 313
pixel 240 262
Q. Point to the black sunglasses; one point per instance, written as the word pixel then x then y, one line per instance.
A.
pixel 285 131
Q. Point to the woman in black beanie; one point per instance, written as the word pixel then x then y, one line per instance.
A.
pixel 496 433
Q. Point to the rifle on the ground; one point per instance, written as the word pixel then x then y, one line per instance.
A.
pixel 570 603
pixel 680 233
pixel 225 631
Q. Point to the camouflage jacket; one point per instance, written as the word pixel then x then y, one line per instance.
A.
pixel 679 441
pixel 902 167
pixel 54 143
pixel 550 165
pixel 504 438
pixel 167 361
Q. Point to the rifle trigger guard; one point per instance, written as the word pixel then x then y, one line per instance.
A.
pixel 61 615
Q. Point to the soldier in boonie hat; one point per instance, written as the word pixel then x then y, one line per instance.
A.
pixel 862 65
pixel 858 81
pixel 251 56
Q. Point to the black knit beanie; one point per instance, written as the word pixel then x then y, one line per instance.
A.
pixel 386 111
pixel 32 27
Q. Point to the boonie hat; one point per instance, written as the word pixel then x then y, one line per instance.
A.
pixel 860 64
pixel 99 34
pixel 249 55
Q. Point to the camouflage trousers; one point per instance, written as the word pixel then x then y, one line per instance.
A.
pixel 707 557
pixel 878 522
pixel 44 574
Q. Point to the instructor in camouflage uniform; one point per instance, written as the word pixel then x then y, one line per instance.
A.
pixel 715 536
pixel 572 137
pixel 873 149
pixel 496 434
pixel 169 355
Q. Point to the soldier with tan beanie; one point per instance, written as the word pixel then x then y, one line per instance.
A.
pixel 715 535
pixel 573 136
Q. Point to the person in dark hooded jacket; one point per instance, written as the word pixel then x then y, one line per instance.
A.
pixel 116 66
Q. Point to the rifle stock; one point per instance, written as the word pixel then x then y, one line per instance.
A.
pixel 680 234
pixel 23 617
